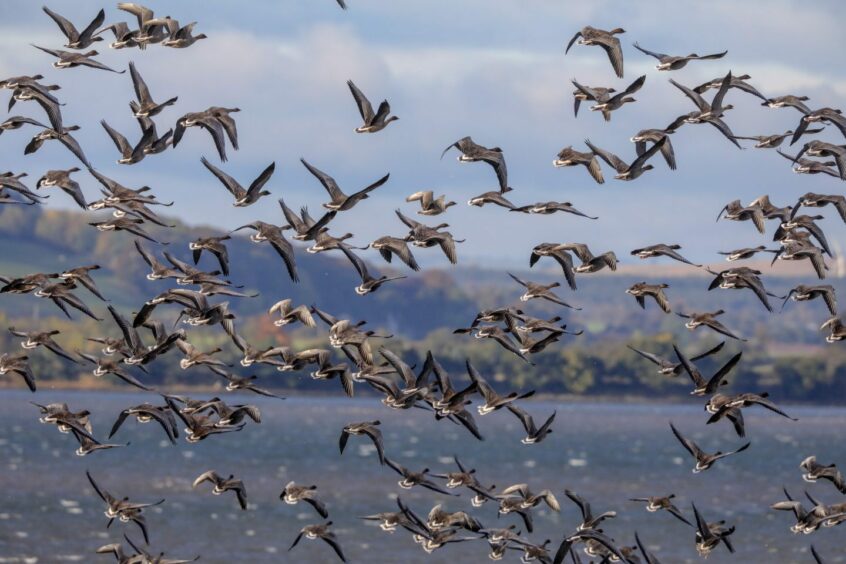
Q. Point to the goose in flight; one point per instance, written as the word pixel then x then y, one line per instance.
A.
pixel 62 295
pixel 122 508
pixel 674 62
pixel 373 122
pixel 596 263
pixel 605 39
pixel 589 93
pixel 200 427
pixel 735 211
pixel 148 25
pixel 703 460
pixel 812 200
pixel 69 59
pixel 549 208
pixel 541 291
pixel 738 82
pixel 530 499
pixel 654 136
pixel 61 179
pixel 589 520
pixel 128 224
pixel 740 278
pixel 473 152
pixel 130 154
pixel 493 400
pixel 41 95
pixel 321 531
pixel 707 112
pixel 243 197
pixel 429 205
pixel 818 148
pixel 439 519
pixel 222 485
pixel 124 37
pixel 103 366
pixel 368 428
pixel 596 544
pixel 721 405
pixel 710 535
pixel 708 319
pixel 826 115
pixel 389 247
pixel 237 383
pixel 215 246
pixel 411 478
pixel 82 275
pixel 217 123
pixel 195 357
pixel 306 228
pixel 149 557
pixel 658 503
pixel 814 471
pixel 772 141
pixel 808 166
pixel 34 339
pixel 669 251
pixel 606 103
pixel 808 522
pixel 146 106
pixel 803 293
pixel 804 250
pixel 369 283
pixel 570 157
pixel 77 39
pixel 534 434
pixel 63 136
pixel 338 200
pixel 17 122
pixel 178 36
pixel 146 412
pixel 290 314
pixel 563 258
pixel 702 386
pixel 13 184
pixel 789 101
pixel 18 364
pixel 293 494
pixel 668 367
pixel 158 270
pixel 837 329
pixel 493 197
pixel 745 253
pixel 273 235
pixel 641 290
pixel 421 235
pixel 628 171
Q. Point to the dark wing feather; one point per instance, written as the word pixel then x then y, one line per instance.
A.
pixel 364 106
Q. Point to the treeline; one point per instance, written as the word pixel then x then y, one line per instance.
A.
pixel 572 366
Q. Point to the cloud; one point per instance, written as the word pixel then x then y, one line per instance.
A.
pixel 452 69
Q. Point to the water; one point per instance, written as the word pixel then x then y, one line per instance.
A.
pixel 605 452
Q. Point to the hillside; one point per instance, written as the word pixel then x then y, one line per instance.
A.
pixel 788 354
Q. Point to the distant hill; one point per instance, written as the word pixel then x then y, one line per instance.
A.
pixel 46 241
pixel 787 355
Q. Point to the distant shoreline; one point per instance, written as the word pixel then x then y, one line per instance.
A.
pixel 62 386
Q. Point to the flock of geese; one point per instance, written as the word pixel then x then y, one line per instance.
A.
pixel 131 343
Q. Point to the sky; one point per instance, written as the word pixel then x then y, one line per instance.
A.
pixel 494 71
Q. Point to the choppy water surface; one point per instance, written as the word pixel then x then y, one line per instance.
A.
pixel 606 452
